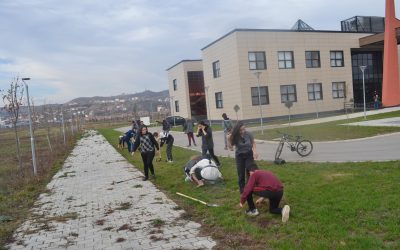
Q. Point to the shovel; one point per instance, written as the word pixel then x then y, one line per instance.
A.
pixel 202 202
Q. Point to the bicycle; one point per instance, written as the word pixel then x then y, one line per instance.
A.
pixel 302 147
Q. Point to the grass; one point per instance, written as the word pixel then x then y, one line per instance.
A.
pixel 331 131
pixel 333 206
pixel 19 190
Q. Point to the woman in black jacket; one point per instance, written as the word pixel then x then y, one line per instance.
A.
pixel 205 132
pixel 147 144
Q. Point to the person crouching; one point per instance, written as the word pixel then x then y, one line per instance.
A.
pixel 266 185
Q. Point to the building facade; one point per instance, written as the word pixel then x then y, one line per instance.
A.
pixel 260 71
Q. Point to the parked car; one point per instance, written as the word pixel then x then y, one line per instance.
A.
pixel 175 120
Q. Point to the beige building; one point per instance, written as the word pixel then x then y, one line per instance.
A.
pixel 318 71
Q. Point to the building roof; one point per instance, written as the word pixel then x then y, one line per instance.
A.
pixel 185 60
pixel 280 30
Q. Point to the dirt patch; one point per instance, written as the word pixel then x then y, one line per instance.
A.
pixel 120 240
pixel 124 206
pixel 100 222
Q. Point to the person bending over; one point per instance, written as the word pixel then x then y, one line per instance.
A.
pixel 266 185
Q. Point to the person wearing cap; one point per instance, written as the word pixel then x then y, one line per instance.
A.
pixel 265 184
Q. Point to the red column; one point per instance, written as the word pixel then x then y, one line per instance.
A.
pixel 391 83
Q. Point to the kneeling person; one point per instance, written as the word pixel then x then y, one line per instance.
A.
pixel 204 170
pixel 266 185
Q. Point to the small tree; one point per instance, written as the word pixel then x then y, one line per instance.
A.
pixel 288 105
pixel 236 108
pixel 12 99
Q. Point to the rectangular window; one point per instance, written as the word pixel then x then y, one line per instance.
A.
pixel 313 59
pixel 338 90
pixel 314 91
pixel 337 59
pixel 288 93
pixel 257 60
pixel 218 100
pixel 285 59
pixel 176 106
pixel 216 69
pixel 264 96
pixel 175 84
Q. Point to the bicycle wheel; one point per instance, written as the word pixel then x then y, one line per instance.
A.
pixel 304 148
pixel 279 150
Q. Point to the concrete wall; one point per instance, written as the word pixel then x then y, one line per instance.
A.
pixel 236 79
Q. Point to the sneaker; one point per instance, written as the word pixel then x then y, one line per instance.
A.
pixel 285 213
pixel 145 178
pixel 153 176
pixel 253 212
pixel 170 161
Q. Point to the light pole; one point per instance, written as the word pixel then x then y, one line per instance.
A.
pixel 315 98
pixel 62 122
pixel 172 107
pixel 208 106
pixel 257 74
pixel 30 128
pixel 363 70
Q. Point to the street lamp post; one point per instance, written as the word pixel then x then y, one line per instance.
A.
pixel 363 70
pixel 208 106
pixel 172 108
pixel 257 74
pixel 63 125
pixel 30 128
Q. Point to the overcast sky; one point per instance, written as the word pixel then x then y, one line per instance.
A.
pixel 78 48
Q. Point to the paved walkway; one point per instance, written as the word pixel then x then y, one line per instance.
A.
pixel 98 201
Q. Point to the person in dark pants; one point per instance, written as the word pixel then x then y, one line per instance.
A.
pixel 188 129
pixel 245 151
pixel 205 132
pixel 147 144
pixel 168 139
pixel 266 185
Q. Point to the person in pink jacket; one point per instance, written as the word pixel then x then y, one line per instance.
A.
pixel 266 185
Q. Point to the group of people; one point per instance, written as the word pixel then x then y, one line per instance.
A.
pixel 259 182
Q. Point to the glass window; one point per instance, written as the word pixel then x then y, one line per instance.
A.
pixel 337 59
pixel 175 84
pixel 176 106
pixel 288 93
pixel 285 59
pixel 264 96
pixel 257 60
pixel 216 69
pixel 338 90
pixel 313 59
pixel 218 100
pixel 314 91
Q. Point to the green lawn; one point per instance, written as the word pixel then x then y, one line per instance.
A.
pixel 331 131
pixel 333 206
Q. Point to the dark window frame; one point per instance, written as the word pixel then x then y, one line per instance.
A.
pixel 340 93
pixel 284 60
pixel 175 84
pixel 264 97
pixel 177 106
pixel 334 60
pixel 312 62
pixel 219 103
pixel 216 69
pixel 259 58
pixel 313 91
pixel 287 93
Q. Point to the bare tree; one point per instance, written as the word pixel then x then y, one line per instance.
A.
pixel 12 99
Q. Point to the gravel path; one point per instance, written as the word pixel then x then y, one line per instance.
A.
pixel 98 201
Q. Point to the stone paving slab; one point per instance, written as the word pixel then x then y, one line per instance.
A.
pixel 98 201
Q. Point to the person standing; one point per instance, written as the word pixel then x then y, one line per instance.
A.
pixel 376 101
pixel 188 129
pixel 147 144
pixel 245 151
pixel 168 139
pixel 227 126
pixel 207 143
pixel 266 185
pixel 166 126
